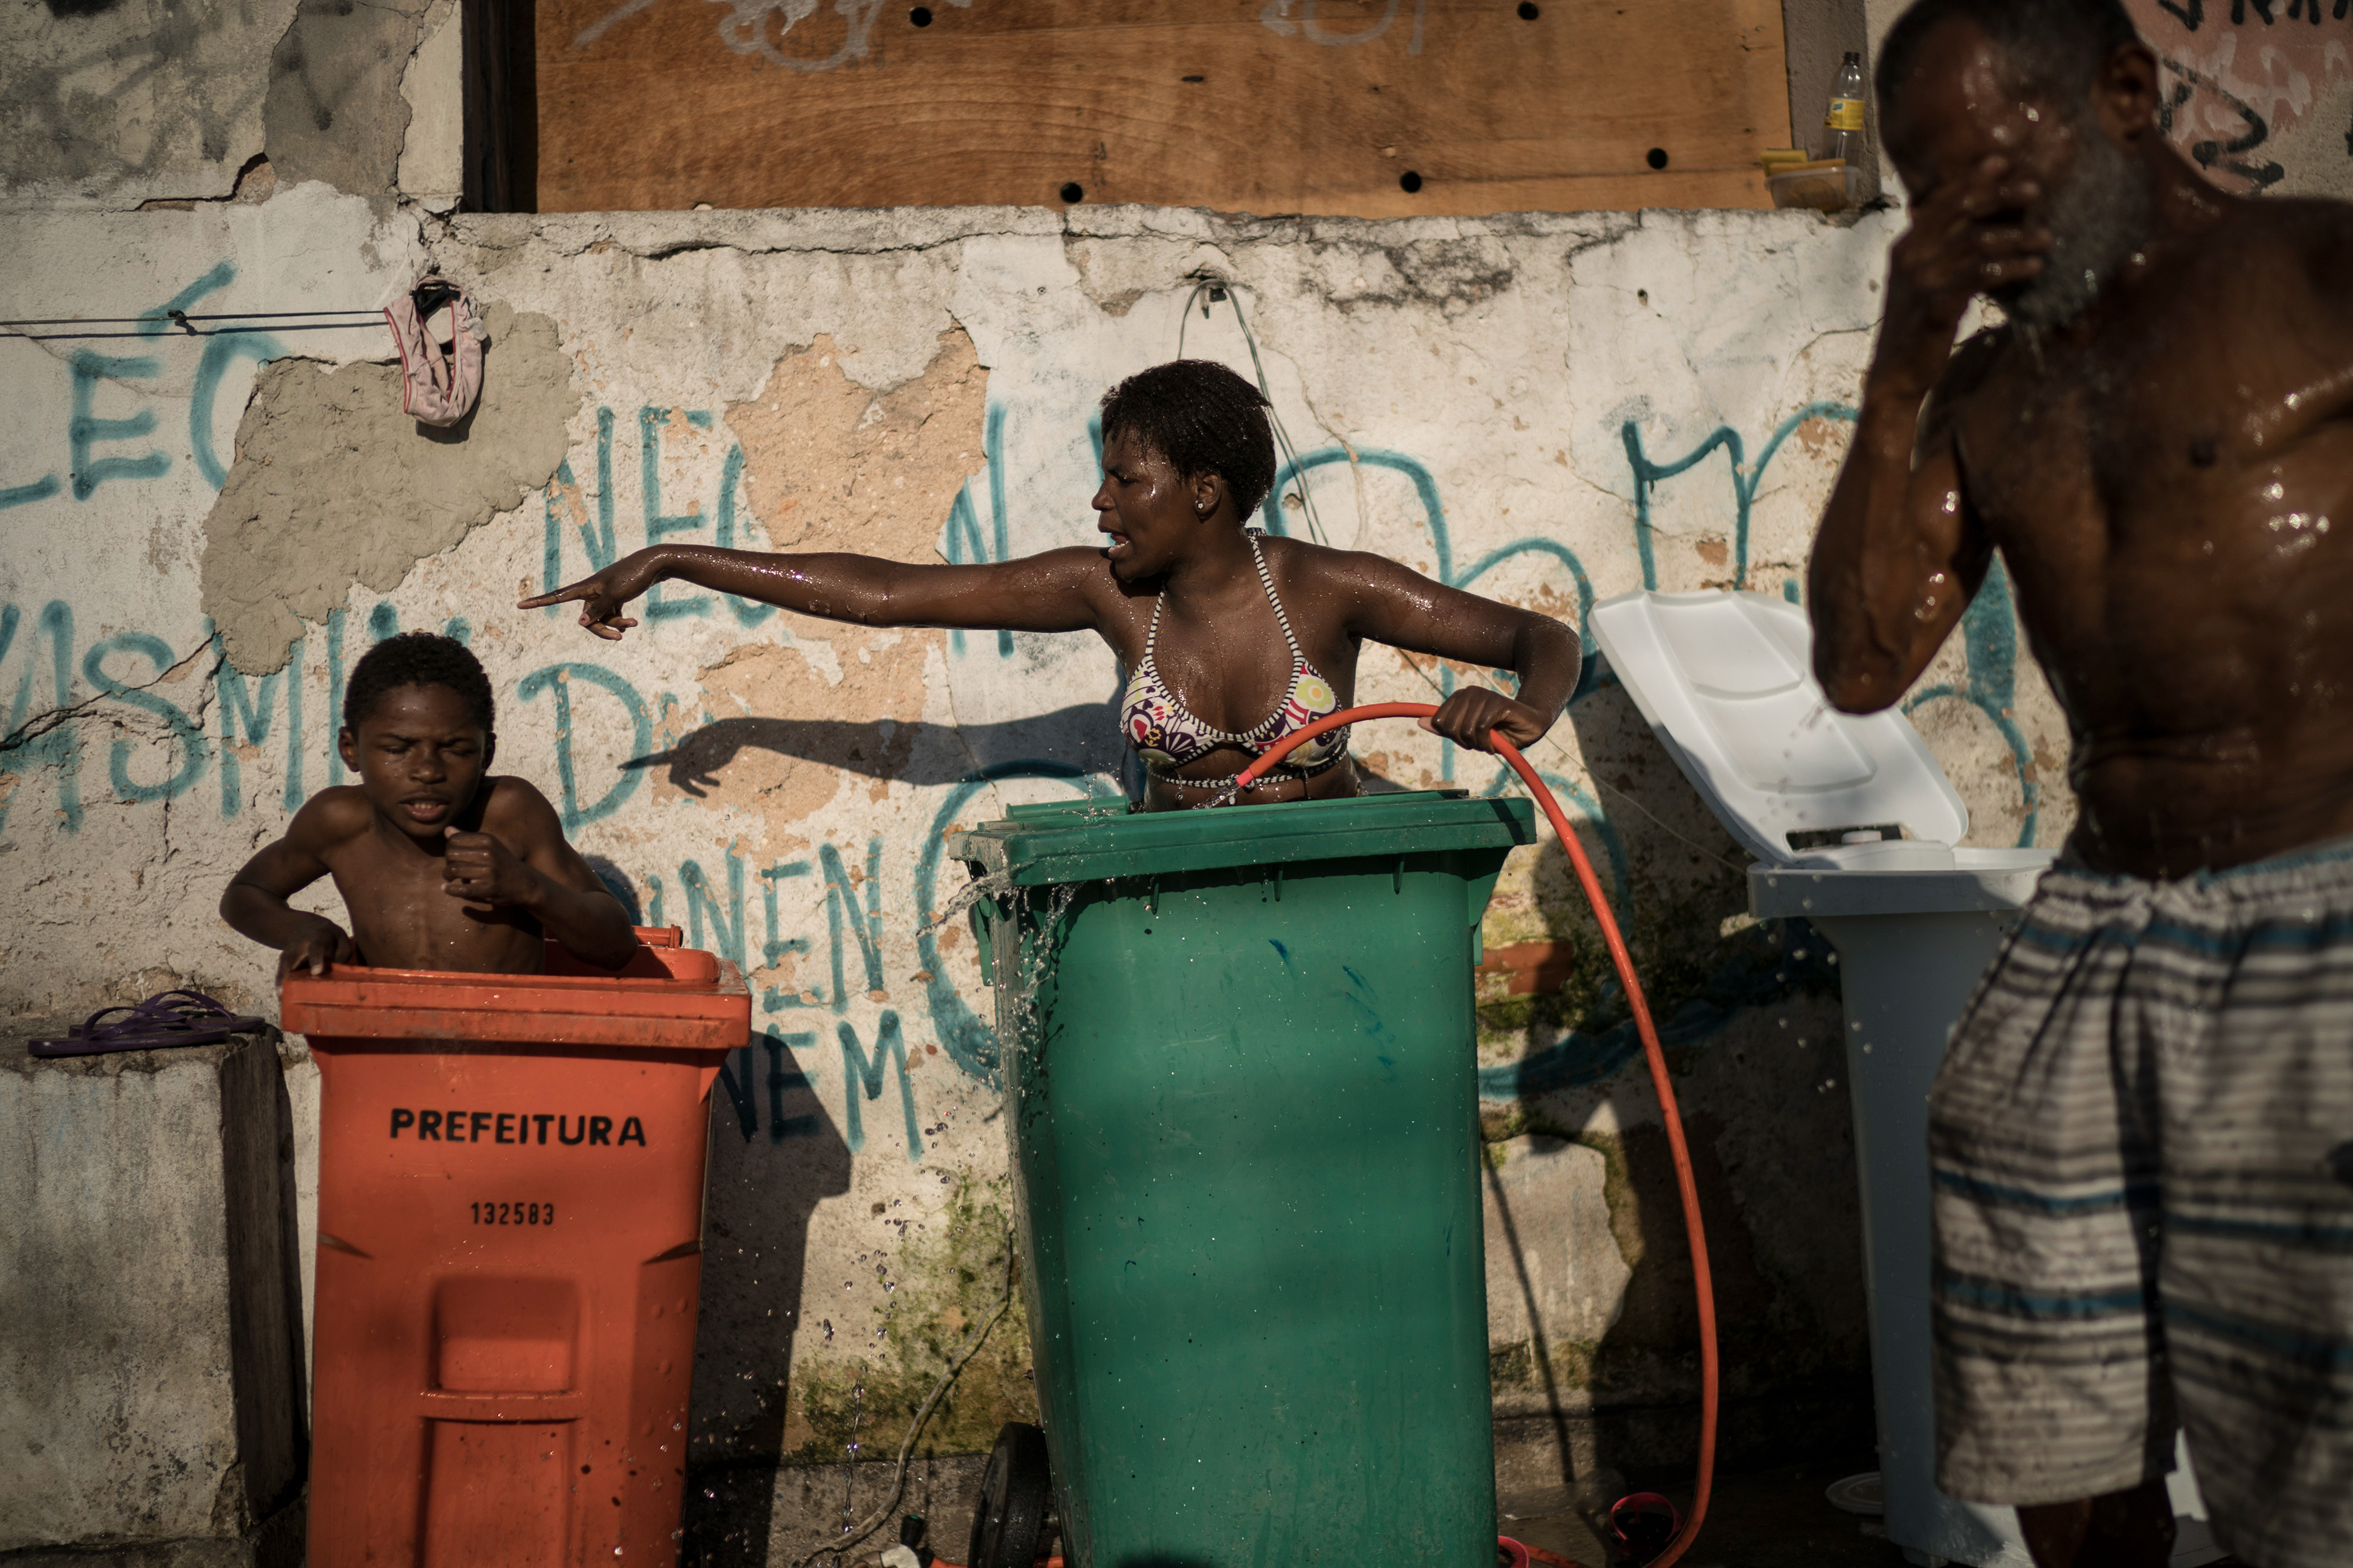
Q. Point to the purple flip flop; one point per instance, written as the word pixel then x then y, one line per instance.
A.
pixel 171 1018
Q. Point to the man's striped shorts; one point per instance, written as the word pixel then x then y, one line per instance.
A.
pixel 2142 1140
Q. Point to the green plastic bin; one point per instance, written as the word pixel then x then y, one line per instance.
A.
pixel 1238 1060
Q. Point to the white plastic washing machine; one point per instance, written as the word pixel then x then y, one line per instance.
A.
pixel 1857 829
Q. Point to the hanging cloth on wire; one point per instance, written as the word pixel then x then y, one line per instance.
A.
pixel 439 382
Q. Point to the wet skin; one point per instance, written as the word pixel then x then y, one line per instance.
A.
pixel 1221 649
pixel 2169 480
pixel 440 865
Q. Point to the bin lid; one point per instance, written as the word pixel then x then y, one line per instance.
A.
pixel 1726 681
pixel 1092 840
pixel 668 997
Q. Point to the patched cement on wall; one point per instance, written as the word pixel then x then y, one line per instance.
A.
pixel 126 103
pixel 333 484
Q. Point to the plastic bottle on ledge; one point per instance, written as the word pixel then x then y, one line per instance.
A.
pixel 1843 122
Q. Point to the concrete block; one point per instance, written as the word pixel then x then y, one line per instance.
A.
pixel 151 1376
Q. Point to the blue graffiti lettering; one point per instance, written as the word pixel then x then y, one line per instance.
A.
pixel 785 1075
pixel 85 430
pixel 597 545
pixel 859 1071
pixel 41 489
pixel 727 924
pixel 220 354
pixel 747 613
pixel 184 733
pixel 558 677
pixel 841 908
pixel 970 1043
pixel 240 704
pixel 773 951
pixel 961 542
pixel 1745 480
pixel 59 746
pixel 658 526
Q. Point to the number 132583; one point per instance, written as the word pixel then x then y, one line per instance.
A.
pixel 514 1214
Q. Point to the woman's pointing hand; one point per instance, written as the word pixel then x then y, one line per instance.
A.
pixel 603 596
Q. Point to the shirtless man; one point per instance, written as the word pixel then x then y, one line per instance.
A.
pixel 439 866
pixel 2142 1134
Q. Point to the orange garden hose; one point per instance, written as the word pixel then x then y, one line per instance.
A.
pixel 1702 1282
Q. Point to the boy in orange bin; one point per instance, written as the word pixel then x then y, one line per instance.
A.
pixel 441 864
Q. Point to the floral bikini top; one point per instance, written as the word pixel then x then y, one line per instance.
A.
pixel 1167 737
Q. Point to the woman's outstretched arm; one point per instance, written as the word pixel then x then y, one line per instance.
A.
pixel 1400 607
pixel 1055 592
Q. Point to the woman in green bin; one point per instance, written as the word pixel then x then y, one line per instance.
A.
pixel 1261 633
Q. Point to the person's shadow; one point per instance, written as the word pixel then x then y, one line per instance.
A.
pixel 1084 736
pixel 1733 1000
pixel 775 1156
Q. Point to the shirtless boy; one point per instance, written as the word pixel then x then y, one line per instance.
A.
pixel 2142 1134
pixel 441 865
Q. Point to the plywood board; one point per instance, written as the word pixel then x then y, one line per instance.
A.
pixel 1259 106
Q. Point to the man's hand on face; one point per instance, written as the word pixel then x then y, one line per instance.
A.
pixel 1969 237
pixel 478 869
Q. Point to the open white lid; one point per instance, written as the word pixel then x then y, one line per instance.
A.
pixel 1726 683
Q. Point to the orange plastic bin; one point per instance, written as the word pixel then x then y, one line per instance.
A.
pixel 511 1176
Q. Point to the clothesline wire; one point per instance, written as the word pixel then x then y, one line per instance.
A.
pixel 156 336
pixel 160 320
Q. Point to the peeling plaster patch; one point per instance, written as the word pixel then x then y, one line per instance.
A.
pixel 828 465
pixel 333 484
pixel 879 471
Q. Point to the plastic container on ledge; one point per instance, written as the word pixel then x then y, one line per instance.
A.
pixel 511 1184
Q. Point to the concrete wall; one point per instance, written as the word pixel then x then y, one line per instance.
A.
pixel 202 536
pixel 151 1382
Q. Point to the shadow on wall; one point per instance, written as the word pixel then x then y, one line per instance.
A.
pixel 1085 735
pixel 775 1156
pixel 1735 1002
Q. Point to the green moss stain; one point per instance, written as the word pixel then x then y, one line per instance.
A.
pixel 949 1281
pixel 1691 943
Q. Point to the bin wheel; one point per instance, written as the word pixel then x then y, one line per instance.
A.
pixel 1010 1525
